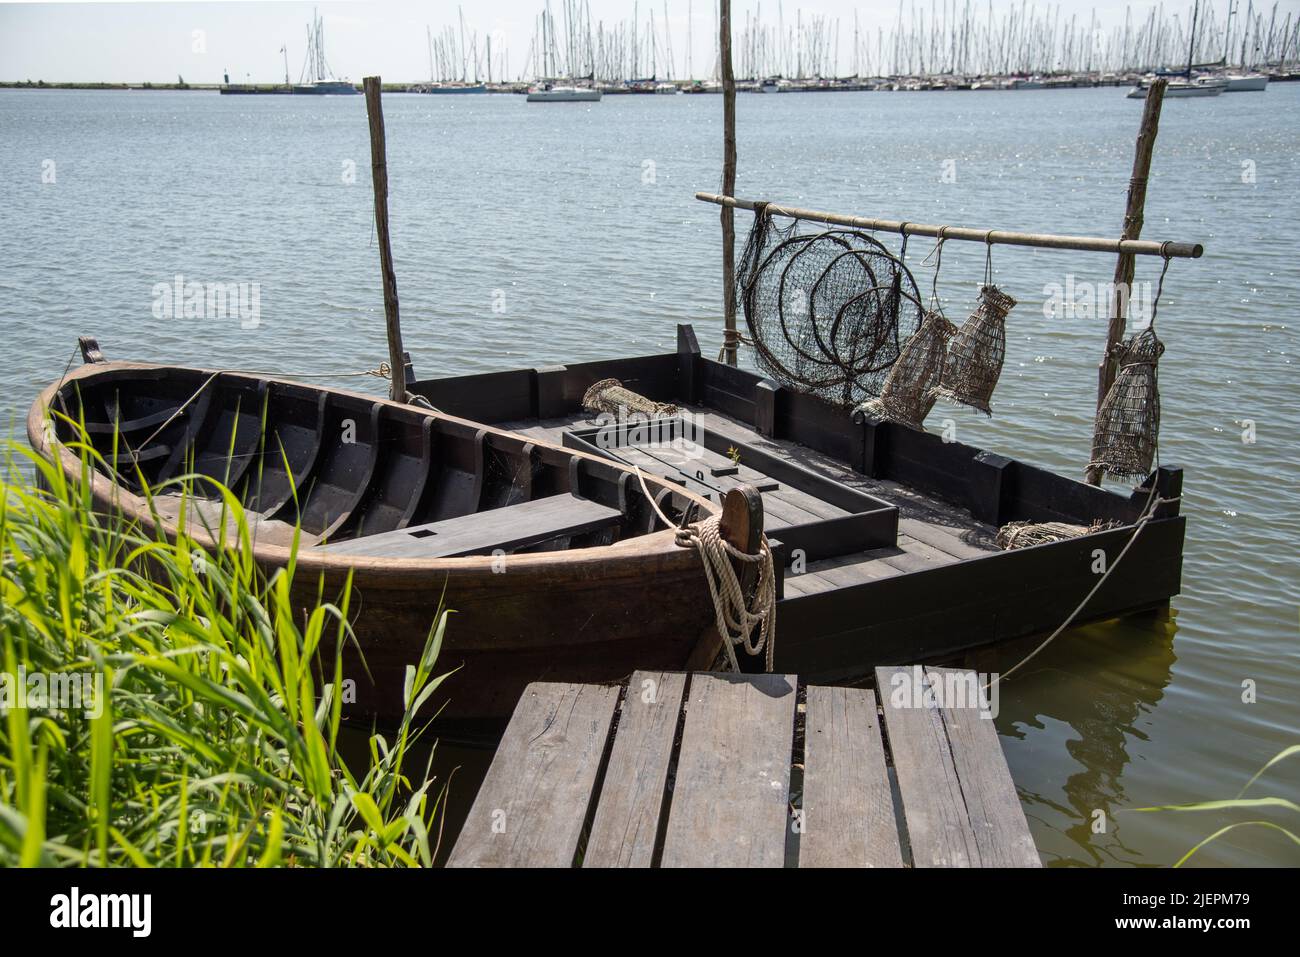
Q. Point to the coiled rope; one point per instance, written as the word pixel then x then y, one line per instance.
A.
pixel 750 626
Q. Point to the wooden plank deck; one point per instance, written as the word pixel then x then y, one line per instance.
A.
pixel 703 770
pixel 931 533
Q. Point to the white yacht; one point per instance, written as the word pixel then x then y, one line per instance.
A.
pixel 549 93
pixel 1201 86
pixel 1245 82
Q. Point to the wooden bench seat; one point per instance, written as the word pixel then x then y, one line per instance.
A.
pixel 510 527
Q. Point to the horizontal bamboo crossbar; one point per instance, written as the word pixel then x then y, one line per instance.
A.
pixel 1091 244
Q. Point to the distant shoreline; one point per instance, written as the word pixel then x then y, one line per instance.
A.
pixel 851 84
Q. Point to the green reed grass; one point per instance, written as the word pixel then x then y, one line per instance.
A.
pixel 1241 803
pixel 216 740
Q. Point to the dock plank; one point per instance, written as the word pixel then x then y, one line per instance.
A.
pixel 848 810
pixel 532 804
pixel 959 801
pixel 938 827
pixel 729 805
pixel 997 818
pixel 632 797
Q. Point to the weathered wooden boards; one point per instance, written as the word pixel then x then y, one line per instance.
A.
pixel 699 774
pixel 508 527
pixel 848 807
pixel 626 826
pixel 729 808
pixel 533 803
pixel 958 796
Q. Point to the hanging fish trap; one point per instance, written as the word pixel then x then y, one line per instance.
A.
pixel 975 355
pixel 908 394
pixel 828 313
pixel 1128 423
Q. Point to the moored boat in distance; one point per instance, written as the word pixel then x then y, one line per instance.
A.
pixel 1245 82
pixel 318 79
pixel 563 93
pixel 1182 88
pixel 454 88
pixel 326 88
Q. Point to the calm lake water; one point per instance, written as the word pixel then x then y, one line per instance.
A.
pixel 528 234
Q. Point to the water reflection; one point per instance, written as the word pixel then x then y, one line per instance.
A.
pixel 1068 721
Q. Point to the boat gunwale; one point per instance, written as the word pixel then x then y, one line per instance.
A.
pixel 656 551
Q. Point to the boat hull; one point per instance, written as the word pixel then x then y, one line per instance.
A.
pixel 326 88
pixel 589 614
pixel 1246 84
pixel 564 96
pixel 943 589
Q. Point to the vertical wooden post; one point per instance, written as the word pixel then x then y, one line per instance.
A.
pixel 1124 266
pixel 729 336
pixel 379 169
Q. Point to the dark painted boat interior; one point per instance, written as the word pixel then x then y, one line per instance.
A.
pixel 361 476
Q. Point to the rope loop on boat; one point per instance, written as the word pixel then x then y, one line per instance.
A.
pixel 750 626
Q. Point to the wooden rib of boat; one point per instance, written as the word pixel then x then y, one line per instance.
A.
pixel 554 561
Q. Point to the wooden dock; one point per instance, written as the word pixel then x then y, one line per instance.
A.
pixel 722 770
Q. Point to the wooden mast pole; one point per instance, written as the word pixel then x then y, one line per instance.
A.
pixel 379 170
pixel 1124 265
pixel 730 338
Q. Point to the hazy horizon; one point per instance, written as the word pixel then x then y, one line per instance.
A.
pixel 159 41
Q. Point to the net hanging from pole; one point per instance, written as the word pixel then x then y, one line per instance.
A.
pixel 1128 422
pixel 909 390
pixel 828 313
pixel 975 355
pixel 1127 429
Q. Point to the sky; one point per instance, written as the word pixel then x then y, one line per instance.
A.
pixel 158 41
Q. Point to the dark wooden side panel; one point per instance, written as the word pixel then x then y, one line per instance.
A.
pixel 848 810
pixel 733 774
pixel 487 397
pixel 654 377
pixel 846 631
pixel 493 397
pixel 532 804
pixel 728 390
pixel 632 798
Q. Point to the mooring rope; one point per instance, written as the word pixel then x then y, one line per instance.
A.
pixel 736 621
pixel 1154 501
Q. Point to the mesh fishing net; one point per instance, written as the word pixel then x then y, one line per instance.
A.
pixel 1128 422
pixel 974 361
pixel 828 313
pixel 609 395
pixel 1025 534
pixel 908 392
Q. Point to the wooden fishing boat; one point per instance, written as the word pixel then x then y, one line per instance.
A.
pixel 886 535
pixel 553 559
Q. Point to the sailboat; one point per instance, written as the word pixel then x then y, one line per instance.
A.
pixel 1185 84
pixel 563 93
pixel 1182 87
pixel 319 79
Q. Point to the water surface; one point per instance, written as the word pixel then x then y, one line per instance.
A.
pixel 529 234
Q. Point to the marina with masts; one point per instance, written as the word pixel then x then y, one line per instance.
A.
pixel 939 45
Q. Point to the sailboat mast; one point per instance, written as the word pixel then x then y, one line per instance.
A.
pixel 1191 43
